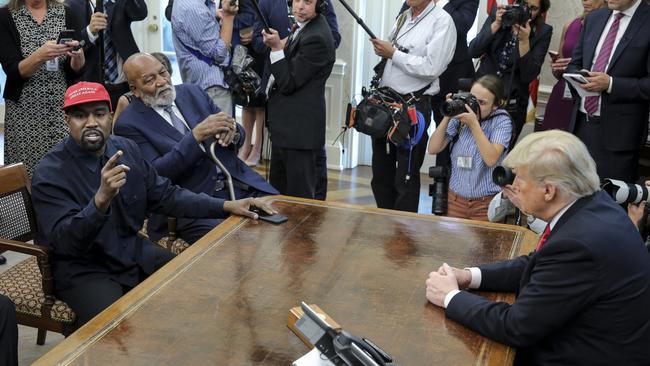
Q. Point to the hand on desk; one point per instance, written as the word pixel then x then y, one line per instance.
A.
pixel 243 207
pixel 445 280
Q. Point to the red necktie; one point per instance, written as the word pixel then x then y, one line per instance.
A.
pixel 591 103
pixel 542 239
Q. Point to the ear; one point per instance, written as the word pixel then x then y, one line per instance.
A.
pixel 550 192
pixel 134 90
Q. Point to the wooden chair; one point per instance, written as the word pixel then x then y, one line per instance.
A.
pixel 29 284
pixel 171 241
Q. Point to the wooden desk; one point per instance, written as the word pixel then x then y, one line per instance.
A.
pixel 225 300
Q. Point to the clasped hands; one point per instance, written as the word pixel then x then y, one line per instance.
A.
pixel 220 126
pixel 445 280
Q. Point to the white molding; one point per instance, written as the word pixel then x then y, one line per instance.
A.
pixel 336 103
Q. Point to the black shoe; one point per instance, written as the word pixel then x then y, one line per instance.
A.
pixel 3 260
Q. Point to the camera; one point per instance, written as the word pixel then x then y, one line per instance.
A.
pixel 623 192
pixel 502 176
pixel 456 105
pixel 243 81
pixel 438 190
pixel 515 14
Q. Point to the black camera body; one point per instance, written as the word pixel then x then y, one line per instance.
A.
pixel 438 190
pixel 515 14
pixel 456 105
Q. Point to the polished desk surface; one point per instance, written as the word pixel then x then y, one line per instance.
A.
pixel 225 300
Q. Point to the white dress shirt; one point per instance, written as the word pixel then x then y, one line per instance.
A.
pixel 475 272
pixel 622 27
pixel 431 41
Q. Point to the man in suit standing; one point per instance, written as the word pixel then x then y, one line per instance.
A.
pixel 615 47
pixel 119 43
pixel 276 12
pixel 174 126
pixel 300 66
pixel 584 293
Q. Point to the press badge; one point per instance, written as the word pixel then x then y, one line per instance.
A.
pixel 52 65
pixel 464 162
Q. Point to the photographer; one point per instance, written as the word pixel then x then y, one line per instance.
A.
pixel 422 44
pixel 478 141
pixel 513 44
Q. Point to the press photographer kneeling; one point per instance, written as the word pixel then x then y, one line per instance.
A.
pixel 479 134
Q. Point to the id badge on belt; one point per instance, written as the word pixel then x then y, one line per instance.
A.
pixel 464 162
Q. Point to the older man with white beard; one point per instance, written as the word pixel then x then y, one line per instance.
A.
pixel 174 127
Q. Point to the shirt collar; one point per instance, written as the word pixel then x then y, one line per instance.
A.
pixel 558 215
pixel 88 159
pixel 424 13
pixel 630 11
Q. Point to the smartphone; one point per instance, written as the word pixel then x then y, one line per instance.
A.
pixel 584 73
pixel 554 55
pixel 576 77
pixel 275 219
pixel 66 35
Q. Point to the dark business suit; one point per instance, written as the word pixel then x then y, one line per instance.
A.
pixel 180 158
pixel 615 138
pixel 119 25
pixel 583 299
pixel 488 47
pixel 463 12
pixel 296 108
pixel 275 12
pixel 8 333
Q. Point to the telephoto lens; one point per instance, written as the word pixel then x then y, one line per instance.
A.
pixel 623 192
pixel 502 176
pixel 456 105
pixel 438 190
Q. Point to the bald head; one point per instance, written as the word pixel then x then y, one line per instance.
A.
pixel 149 80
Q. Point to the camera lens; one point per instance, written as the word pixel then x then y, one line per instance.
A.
pixel 623 192
pixel 502 176
pixel 453 107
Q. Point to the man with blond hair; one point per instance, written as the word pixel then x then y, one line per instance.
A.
pixel 583 295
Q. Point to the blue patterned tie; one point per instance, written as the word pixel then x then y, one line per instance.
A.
pixel 176 121
pixel 110 56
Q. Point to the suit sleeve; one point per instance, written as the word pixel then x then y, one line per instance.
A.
pixel 629 89
pixel 311 58
pixel 481 44
pixel 464 16
pixel 171 164
pixel 333 23
pixel 503 276
pixel 135 9
pixel 531 64
pixel 564 280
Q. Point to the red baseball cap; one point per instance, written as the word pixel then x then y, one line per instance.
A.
pixel 85 92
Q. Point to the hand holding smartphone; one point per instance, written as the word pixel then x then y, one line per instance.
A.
pixel 554 55
pixel 66 35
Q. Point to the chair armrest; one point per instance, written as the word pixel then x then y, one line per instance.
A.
pixel 21 247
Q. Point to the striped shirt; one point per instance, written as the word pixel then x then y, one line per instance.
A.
pixel 194 25
pixel 477 181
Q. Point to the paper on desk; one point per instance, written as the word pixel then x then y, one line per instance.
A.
pixel 571 79
pixel 313 358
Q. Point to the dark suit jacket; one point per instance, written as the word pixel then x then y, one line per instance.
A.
pixel 275 12
pixel 582 299
pixel 296 106
pixel 119 24
pixel 463 12
pixel 624 112
pixel 178 157
pixel 488 46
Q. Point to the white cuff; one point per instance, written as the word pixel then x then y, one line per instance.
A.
pixel 91 37
pixel 276 56
pixel 609 88
pixel 398 57
pixel 475 282
pixel 448 297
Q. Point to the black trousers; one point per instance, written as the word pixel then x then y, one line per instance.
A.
pixel 294 172
pixel 8 333
pixel 622 165
pixel 321 171
pixel 97 293
pixel 396 172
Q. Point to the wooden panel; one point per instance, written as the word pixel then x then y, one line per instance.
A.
pixel 225 300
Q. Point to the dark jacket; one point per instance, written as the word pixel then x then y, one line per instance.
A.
pixel 119 24
pixel 11 54
pixel 296 105
pixel 582 299
pixel 624 111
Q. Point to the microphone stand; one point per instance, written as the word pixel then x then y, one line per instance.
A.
pixel 225 171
